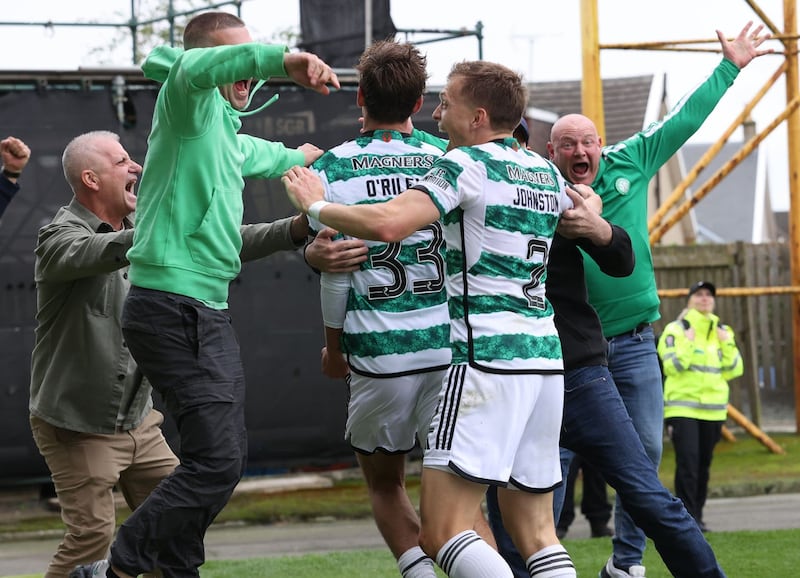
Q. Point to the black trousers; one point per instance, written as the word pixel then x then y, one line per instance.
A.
pixel 694 441
pixel 594 502
pixel 190 355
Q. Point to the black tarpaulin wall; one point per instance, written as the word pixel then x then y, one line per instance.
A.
pixel 334 29
pixel 295 415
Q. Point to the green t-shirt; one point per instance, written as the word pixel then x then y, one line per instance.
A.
pixel 622 182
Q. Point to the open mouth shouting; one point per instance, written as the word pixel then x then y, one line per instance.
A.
pixel 580 172
pixel 239 93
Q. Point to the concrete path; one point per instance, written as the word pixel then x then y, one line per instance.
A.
pixel 28 556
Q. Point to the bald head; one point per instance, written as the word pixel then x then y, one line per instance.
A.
pixel 575 148
pixel 572 123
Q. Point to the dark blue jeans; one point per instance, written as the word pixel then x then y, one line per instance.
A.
pixel 597 426
pixel 633 361
pixel 594 502
pixel 190 355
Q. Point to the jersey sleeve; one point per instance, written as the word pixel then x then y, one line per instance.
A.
pixel 430 139
pixel 333 291
pixel 451 181
pixel 564 201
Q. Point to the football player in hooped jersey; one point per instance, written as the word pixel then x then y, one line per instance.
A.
pixel 386 325
pixel 506 373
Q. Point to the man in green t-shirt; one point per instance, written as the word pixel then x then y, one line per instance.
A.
pixel 627 306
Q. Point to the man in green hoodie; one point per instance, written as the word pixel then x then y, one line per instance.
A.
pixel 185 253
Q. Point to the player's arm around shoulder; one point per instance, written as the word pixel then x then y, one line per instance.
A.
pixel 388 222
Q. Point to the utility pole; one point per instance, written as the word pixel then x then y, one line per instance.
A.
pixel 592 84
pixel 793 132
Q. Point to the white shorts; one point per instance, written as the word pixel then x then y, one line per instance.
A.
pixel 499 429
pixel 391 413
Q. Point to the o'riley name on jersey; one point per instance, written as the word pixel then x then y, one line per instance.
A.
pixel 394 184
pixel 389 186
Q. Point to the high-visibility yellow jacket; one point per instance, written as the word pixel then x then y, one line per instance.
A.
pixel 697 371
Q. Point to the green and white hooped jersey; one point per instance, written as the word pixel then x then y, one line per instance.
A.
pixel 396 321
pixel 500 206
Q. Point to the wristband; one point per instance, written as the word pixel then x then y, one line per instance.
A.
pixel 315 208
pixel 11 174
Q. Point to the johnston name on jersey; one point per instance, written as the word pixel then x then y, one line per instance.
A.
pixel 500 206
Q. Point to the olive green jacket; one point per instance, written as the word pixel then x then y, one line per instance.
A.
pixel 83 378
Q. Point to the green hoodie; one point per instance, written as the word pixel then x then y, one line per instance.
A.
pixel 189 207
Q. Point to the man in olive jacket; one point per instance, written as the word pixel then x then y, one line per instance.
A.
pixel 91 411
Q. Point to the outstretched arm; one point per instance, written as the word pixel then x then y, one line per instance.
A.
pixel 744 48
pixel 263 239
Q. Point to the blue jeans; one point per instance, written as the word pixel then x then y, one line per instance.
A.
pixel 559 494
pixel 633 361
pixel 597 426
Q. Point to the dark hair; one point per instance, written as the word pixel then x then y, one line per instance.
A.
pixel 197 33
pixel 521 133
pixel 494 87
pixel 392 78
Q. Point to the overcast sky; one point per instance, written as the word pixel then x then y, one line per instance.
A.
pixel 537 38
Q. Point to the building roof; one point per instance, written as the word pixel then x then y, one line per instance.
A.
pixel 626 102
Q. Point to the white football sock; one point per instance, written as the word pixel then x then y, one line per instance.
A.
pixel 466 555
pixel 414 563
pixel 551 562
